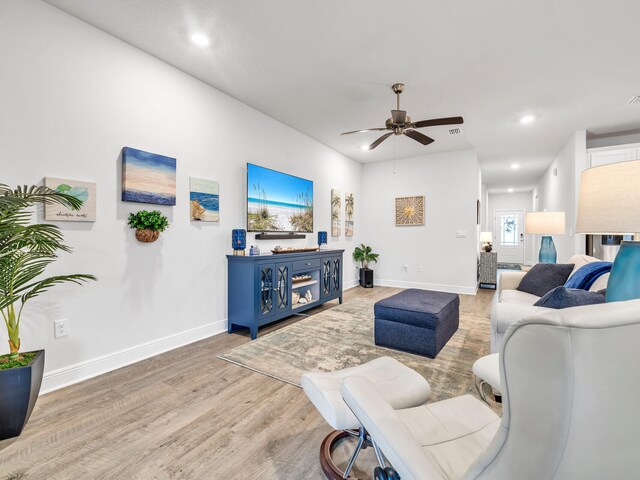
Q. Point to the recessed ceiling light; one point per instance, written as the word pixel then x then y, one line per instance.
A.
pixel 510 190
pixel 365 147
pixel 527 119
pixel 200 39
pixel 515 166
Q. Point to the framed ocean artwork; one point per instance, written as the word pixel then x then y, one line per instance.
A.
pixel 148 177
pixel 204 197
pixel 85 191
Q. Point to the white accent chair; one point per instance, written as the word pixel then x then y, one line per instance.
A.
pixel 399 385
pixel 570 385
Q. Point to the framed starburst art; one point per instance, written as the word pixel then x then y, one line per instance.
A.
pixel 409 211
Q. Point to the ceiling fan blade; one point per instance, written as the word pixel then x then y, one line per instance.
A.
pixel 434 122
pixel 399 116
pixel 380 140
pixel 365 130
pixel 419 137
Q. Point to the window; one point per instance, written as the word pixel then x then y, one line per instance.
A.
pixel 509 230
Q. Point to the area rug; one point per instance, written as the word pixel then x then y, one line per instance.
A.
pixel 343 337
pixel 509 266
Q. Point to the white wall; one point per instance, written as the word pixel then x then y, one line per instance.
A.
pixel 512 201
pixel 451 186
pixel 558 190
pixel 72 97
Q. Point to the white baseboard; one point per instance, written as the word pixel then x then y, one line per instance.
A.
pixel 78 372
pixel 350 284
pixel 381 282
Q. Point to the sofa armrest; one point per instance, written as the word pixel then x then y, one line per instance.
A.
pixel 509 280
pixel 503 315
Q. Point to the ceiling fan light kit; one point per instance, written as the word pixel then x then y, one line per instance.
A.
pixel 401 124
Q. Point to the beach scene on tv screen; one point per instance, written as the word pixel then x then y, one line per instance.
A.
pixel 278 202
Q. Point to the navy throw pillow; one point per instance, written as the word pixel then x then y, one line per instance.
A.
pixel 544 277
pixel 562 297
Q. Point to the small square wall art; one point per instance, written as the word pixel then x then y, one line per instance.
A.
pixel 409 211
pixel 204 196
pixel 85 191
pixel 336 206
pixel 348 214
pixel 148 177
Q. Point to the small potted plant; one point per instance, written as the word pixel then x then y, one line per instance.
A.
pixel 25 251
pixel 148 225
pixel 364 255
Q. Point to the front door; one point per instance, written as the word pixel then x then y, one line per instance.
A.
pixel 509 236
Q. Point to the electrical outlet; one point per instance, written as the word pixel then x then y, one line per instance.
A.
pixel 61 328
pixel 420 268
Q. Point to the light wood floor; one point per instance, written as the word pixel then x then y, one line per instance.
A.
pixel 181 415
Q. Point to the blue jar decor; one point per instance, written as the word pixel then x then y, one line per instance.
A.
pixel 548 252
pixel 238 241
pixel 624 281
pixel 322 239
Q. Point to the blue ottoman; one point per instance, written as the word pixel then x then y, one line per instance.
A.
pixel 417 321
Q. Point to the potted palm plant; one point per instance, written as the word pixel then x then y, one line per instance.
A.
pixel 364 255
pixel 26 250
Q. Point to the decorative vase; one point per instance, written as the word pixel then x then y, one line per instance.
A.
pixel 19 388
pixel 624 281
pixel 238 241
pixel 548 252
pixel 322 239
pixel 146 235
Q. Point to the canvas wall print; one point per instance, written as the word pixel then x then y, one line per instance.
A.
pixel 348 214
pixel 336 206
pixel 278 202
pixel 409 211
pixel 204 198
pixel 85 191
pixel 148 177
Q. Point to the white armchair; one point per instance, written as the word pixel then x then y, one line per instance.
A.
pixel 570 385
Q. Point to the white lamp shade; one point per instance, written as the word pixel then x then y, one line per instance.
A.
pixel 609 200
pixel 486 237
pixel 545 223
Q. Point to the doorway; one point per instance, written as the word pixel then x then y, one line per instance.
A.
pixel 509 236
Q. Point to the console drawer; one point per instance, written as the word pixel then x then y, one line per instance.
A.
pixel 305 265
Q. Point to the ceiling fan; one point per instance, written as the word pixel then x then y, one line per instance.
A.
pixel 400 123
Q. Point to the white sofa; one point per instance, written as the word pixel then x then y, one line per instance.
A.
pixel 511 305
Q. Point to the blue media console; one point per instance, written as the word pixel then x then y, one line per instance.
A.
pixel 266 288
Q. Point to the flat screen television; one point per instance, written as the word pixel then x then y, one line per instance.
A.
pixel 278 202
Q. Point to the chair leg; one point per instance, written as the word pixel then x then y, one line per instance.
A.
pixel 378 453
pixel 361 440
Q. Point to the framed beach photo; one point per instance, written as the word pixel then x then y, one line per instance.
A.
pixel 85 191
pixel 204 198
pixel 148 177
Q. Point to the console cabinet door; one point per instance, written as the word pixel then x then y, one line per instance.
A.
pixel 325 278
pixel 282 286
pixel 267 281
pixel 336 275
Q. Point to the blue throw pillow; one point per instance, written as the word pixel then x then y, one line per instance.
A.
pixel 544 277
pixel 562 297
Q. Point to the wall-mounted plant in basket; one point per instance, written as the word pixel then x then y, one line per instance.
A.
pixel 148 225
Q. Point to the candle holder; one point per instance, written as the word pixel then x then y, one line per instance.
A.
pixel 239 241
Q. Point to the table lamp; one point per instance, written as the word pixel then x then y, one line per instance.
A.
pixel 609 203
pixel 546 224
pixel 486 238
